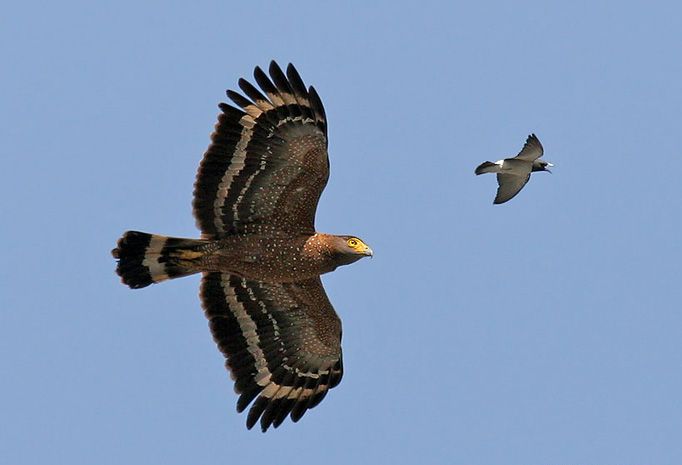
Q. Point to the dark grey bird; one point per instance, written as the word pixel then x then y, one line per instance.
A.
pixel 514 173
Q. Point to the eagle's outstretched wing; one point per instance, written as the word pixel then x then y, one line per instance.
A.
pixel 282 343
pixel 267 163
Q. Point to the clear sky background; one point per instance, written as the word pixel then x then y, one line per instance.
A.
pixel 543 331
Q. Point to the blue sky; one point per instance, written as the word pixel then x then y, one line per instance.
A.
pixel 542 331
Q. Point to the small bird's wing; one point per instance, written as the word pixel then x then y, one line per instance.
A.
pixel 532 149
pixel 282 342
pixel 508 186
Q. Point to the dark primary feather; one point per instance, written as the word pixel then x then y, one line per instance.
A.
pixel 254 94
pixel 282 84
pixel 318 110
pixel 300 92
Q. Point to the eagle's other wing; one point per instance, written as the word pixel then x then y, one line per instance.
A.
pixel 282 343
pixel 267 163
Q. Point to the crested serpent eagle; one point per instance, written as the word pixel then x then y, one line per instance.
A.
pixel 255 197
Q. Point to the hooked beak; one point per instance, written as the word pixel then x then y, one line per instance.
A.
pixel 368 252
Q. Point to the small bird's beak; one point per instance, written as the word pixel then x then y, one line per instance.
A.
pixel 549 164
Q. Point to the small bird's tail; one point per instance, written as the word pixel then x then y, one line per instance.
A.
pixel 487 167
pixel 144 258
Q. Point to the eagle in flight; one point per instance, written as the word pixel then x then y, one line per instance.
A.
pixel 255 197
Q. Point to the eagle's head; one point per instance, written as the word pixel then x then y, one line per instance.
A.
pixel 349 249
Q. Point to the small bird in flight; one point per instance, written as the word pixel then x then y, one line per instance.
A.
pixel 514 173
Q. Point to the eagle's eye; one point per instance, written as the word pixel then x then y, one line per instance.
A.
pixel 352 243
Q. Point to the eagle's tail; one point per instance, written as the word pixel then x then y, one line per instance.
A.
pixel 144 258
pixel 488 167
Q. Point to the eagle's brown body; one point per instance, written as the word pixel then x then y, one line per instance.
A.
pixel 277 259
pixel 274 259
pixel 255 198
